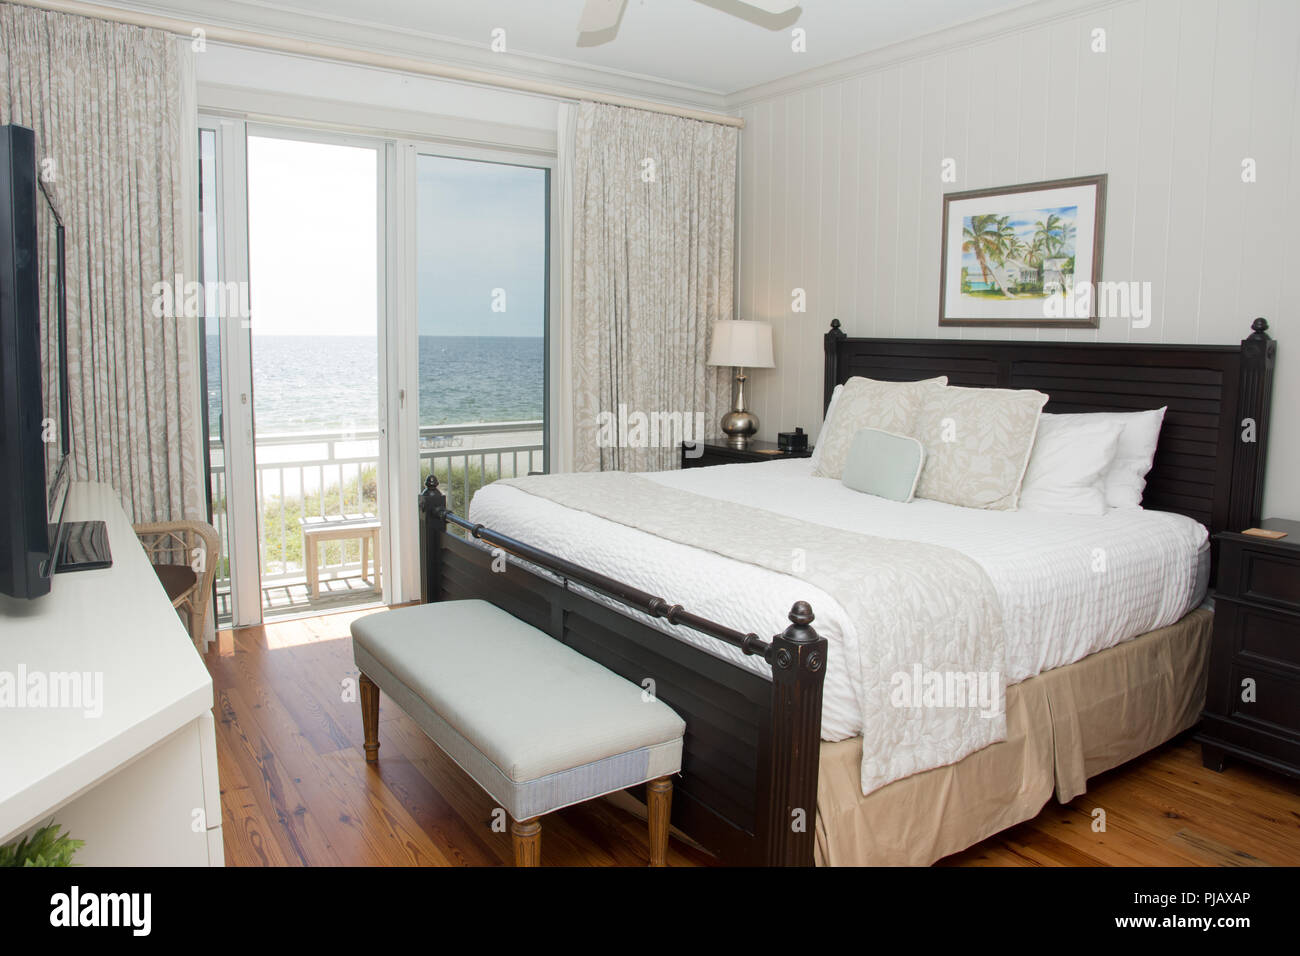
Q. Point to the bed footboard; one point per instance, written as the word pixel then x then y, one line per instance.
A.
pixel 748 789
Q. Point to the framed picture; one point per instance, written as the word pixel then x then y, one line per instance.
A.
pixel 1019 255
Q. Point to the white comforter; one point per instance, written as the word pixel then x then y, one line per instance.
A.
pixel 1068 585
pixel 918 609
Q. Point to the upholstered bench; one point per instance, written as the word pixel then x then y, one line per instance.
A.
pixel 536 724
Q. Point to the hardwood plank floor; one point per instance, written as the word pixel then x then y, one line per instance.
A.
pixel 296 790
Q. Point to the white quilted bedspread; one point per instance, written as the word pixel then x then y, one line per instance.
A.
pixel 914 606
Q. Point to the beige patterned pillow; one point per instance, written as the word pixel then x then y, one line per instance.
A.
pixel 977 444
pixel 866 403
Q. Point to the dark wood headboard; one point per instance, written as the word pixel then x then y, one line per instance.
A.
pixel 1205 467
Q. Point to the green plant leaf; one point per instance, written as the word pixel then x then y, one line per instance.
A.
pixel 45 847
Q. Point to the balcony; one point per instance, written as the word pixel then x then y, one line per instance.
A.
pixel 335 474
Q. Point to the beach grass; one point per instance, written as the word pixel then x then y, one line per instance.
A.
pixel 281 524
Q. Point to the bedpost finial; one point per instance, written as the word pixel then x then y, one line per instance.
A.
pixel 792 646
pixel 432 500
pixel 796 646
pixel 801 614
pixel 835 323
pixel 1259 342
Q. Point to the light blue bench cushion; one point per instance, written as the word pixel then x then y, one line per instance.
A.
pixel 535 723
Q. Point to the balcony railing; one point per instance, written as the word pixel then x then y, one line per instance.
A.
pixel 333 473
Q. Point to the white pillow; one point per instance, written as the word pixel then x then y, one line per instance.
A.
pixel 1067 467
pixel 867 403
pixel 816 458
pixel 977 444
pixel 1126 478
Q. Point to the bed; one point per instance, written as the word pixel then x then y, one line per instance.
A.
pixel 1095 673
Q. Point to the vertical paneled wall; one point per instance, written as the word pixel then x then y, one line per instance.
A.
pixel 841 190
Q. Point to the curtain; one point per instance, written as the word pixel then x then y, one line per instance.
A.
pixel 114 124
pixel 561 355
pixel 654 207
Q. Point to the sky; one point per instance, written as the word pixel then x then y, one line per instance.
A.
pixel 312 238
pixel 481 227
pixel 313 220
pixel 1026 222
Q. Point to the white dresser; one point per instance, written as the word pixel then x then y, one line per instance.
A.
pixel 137 782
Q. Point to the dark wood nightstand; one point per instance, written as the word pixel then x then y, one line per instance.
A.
pixel 1252 704
pixel 701 455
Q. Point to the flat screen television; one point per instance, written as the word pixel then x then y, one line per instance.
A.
pixel 34 410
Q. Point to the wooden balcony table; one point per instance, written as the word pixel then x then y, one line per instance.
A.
pixel 346 527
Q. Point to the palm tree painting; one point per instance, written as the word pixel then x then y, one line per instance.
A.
pixel 1011 254
pixel 1007 256
pixel 981 238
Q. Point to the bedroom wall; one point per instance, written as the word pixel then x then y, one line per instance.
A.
pixel 841 190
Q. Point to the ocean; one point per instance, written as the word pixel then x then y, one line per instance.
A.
pixel 322 383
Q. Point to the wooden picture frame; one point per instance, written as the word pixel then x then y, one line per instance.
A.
pixel 1013 256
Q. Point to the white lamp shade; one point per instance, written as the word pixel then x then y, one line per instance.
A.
pixel 742 344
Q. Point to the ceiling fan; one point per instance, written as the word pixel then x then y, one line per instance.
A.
pixel 600 18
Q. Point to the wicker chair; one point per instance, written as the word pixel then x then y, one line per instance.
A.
pixel 174 549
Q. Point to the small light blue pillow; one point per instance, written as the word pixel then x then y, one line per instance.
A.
pixel 882 463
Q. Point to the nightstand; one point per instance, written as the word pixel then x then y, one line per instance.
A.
pixel 1252 703
pixel 720 453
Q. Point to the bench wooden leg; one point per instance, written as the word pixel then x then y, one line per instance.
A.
pixel 526 835
pixel 659 803
pixel 370 717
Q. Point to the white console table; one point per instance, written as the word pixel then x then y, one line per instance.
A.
pixel 139 782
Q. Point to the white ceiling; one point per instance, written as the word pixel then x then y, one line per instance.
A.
pixel 714 46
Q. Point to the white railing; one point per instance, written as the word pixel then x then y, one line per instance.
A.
pixel 336 473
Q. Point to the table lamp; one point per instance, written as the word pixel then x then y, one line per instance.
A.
pixel 743 345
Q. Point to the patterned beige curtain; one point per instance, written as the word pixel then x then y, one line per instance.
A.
pixel 108 103
pixel 654 205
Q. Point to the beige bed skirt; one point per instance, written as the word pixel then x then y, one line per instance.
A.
pixel 1063 726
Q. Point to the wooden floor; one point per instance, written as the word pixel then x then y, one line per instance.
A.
pixel 295 788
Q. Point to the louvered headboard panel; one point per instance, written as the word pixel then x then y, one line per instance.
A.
pixel 1207 466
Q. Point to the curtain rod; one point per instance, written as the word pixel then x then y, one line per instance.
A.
pixel 328 51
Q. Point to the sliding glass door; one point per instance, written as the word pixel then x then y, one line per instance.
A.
pixel 210 370
pixel 314 214
pixel 482 302
pixel 225 369
pixel 298 462
pixel 383 315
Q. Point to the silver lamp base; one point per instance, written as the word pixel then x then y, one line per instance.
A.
pixel 739 424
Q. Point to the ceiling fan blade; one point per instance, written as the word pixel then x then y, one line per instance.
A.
pixel 772 6
pixel 600 15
